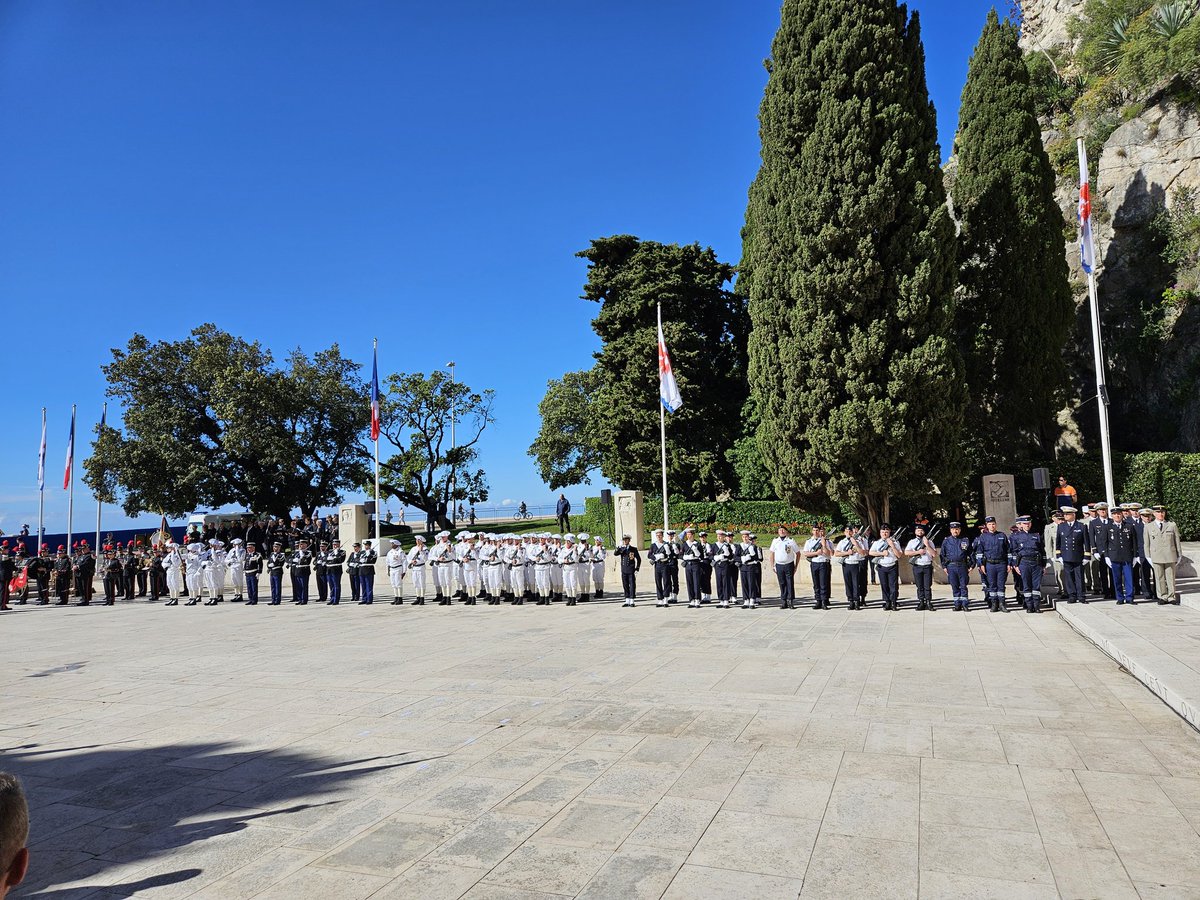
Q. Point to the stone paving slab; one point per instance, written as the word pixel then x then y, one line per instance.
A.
pixel 594 751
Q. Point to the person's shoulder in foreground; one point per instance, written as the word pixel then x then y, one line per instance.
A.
pixel 14 832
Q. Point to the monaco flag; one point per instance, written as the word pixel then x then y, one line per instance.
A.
pixel 375 395
pixel 668 390
pixel 1087 246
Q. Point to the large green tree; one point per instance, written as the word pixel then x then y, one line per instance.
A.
pixel 617 427
pixel 212 420
pixel 1015 306
pixel 432 467
pixel 848 260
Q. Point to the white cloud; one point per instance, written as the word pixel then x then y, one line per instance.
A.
pixel 507 502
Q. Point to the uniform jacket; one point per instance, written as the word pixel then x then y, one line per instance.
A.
pixel 1162 544
pixel 631 559
pixel 1098 533
pixel 1027 547
pixel 991 547
pixel 1073 541
pixel 1121 541
pixel 956 551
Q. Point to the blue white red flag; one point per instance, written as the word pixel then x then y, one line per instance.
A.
pixel 1087 245
pixel 668 389
pixel 42 455
pixel 375 395
pixel 70 453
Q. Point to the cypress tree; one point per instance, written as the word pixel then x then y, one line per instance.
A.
pixel 848 260
pixel 1015 306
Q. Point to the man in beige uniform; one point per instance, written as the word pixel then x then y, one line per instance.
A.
pixel 1162 546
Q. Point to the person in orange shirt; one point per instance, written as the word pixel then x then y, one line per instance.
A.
pixel 1064 494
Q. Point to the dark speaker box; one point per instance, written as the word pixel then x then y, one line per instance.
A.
pixel 606 496
pixel 1041 479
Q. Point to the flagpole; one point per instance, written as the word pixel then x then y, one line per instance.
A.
pixel 71 483
pixel 662 426
pixel 376 442
pixel 42 488
pixel 1097 345
pixel 99 433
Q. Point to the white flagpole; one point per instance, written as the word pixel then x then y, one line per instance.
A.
pixel 662 425
pixel 96 548
pixel 71 486
pixel 1097 346
pixel 377 509
pixel 42 489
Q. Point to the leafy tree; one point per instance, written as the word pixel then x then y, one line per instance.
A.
pixel 565 448
pixel 848 262
pixel 211 420
pixel 1015 307
pixel 617 430
pixel 415 417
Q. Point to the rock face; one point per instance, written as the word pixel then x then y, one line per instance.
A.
pixel 1044 24
pixel 1142 167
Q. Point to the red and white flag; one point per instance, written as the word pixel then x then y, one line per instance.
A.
pixel 1087 244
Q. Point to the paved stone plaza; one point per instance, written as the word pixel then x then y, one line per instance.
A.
pixel 501 752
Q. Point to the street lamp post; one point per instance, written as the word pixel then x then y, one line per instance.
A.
pixel 454 469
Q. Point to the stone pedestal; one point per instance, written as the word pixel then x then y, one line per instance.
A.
pixel 1000 500
pixel 353 525
pixel 629 516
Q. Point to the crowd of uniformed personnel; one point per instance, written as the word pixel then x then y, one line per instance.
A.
pixel 1123 553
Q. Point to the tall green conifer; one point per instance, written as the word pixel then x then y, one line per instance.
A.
pixel 848 260
pixel 1015 306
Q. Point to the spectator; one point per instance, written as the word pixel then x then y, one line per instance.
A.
pixel 1064 494
pixel 563 512
pixel 14 833
pixel 472 515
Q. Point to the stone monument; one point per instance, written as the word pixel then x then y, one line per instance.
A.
pixel 629 516
pixel 1000 500
pixel 353 525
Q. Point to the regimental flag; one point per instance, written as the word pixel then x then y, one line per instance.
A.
pixel 42 455
pixel 375 394
pixel 1086 242
pixel 70 453
pixel 668 389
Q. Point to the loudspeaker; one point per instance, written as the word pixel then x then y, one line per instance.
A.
pixel 1041 479
pixel 369 507
pixel 606 496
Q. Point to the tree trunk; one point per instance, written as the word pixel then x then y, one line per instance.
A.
pixel 875 509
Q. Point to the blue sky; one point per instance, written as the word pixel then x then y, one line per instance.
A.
pixel 307 172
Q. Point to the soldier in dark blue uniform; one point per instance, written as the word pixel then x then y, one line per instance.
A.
pixel 275 563
pixel 1098 535
pixel 252 568
pixel 660 556
pixel 676 551
pixel 694 554
pixel 1074 546
pixel 301 566
pixel 631 562
pixel 991 555
pixel 1121 540
pixel 319 570
pixel 334 560
pixel 1027 557
pixel 956 560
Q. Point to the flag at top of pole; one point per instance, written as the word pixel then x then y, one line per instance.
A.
pixel 1086 244
pixel 375 393
pixel 42 457
pixel 70 453
pixel 668 389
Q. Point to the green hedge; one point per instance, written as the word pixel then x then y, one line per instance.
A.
pixel 756 515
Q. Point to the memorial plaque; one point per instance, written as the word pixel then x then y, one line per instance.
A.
pixel 1000 500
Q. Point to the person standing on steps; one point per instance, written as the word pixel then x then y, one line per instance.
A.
pixel 1163 548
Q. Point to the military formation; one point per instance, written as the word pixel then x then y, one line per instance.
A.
pixel 1122 553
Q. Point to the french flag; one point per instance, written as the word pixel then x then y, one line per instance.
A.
pixel 668 389
pixel 70 453
pixel 1087 246
pixel 375 394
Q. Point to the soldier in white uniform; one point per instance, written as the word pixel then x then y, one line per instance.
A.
pixel 195 574
pixel 540 554
pixel 568 558
pixel 468 562
pixel 397 567
pixel 583 566
pixel 214 572
pixel 442 556
pixel 235 559
pixel 417 561
pixel 556 572
pixel 598 555
pixel 516 571
pixel 172 563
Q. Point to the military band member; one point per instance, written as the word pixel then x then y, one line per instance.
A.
pixel 62 575
pixel 659 555
pixel 130 564
pixel 819 555
pixel 750 562
pixel 112 571
pixel 724 562
pixel 920 551
pixel 631 563
pixel 335 559
pixel 1074 547
pixel 886 553
pixel 252 566
pixel 43 567
pixel 693 558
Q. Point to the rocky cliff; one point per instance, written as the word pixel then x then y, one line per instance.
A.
pixel 1143 166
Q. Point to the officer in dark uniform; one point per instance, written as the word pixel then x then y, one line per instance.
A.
pixel 1143 567
pixel 143 568
pixel 334 560
pixel 1074 546
pixel 352 570
pixel 676 550
pixel 706 568
pixel 130 565
pixel 7 568
pixel 1027 557
pixel 62 568
pixel 275 563
pixel 41 568
pixel 955 554
pixel 660 556
pixel 252 568
pixel 1121 543
pixel 1098 535
pixel 991 555
pixel 301 566
pixel 156 575
pixel 724 558
pixel 631 564
pixel 693 558
pixel 750 560
pixel 366 574
pixel 113 573
pixel 319 568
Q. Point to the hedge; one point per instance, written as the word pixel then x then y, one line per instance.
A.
pixel 1169 479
